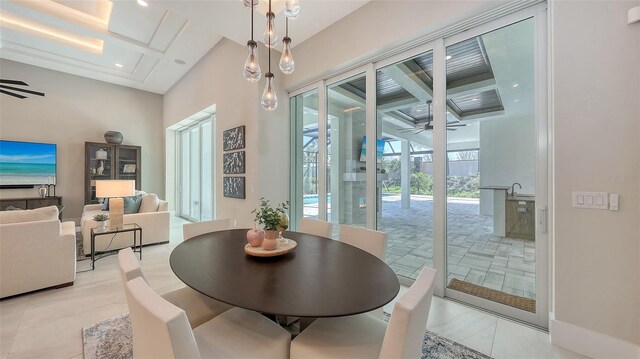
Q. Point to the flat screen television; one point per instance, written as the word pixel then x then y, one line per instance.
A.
pixel 379 149
pixel 27 164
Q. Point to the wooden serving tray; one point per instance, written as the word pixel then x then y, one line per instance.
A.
pixel 280 250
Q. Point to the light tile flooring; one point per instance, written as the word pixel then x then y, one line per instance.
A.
pixel 47 324
pixel 475 255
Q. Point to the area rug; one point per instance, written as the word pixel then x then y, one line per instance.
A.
pixel 112 338
pixel 494 295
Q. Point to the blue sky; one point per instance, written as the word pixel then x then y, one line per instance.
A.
pixel 27 152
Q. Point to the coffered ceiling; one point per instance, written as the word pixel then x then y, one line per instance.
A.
pixel 146 47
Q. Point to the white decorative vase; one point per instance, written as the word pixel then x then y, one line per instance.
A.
pixel 102 224
pixel 101 154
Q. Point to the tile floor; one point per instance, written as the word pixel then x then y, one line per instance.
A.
pixel 47 324
pixel 475 255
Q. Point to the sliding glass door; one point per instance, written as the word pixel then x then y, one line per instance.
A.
pixel 442 147
pixel 196 171
pixel 404 97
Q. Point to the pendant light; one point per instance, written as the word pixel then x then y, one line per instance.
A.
pixel 292 9
pixel 270 38
pixel 252 71
pixel 287 65
pixel 269 99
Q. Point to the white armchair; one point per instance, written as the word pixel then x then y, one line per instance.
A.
pixel 36 251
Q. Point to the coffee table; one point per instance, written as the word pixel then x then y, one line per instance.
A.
pixel 320 278
pixel 100 231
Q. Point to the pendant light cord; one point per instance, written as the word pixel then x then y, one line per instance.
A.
pixel 251 20
pixel 269 24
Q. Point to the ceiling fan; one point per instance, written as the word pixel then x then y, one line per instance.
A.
pixel 14 91
pixel 428 126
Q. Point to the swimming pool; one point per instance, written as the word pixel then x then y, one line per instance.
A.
pixel 313 198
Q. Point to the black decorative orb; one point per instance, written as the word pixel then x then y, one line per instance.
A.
pixel 114 137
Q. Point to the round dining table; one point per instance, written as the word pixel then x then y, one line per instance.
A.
pixel 322 277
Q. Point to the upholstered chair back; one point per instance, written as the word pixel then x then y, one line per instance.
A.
pixel 316 227
pixel 405 332
pixel 190 230
pixel 374 242
pixel 129 265
pixel 160 329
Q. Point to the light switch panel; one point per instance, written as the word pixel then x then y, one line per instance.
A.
pixel 591 200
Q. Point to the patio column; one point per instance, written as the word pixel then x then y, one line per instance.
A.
pixel 405 173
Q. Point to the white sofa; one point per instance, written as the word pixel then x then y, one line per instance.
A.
pixel 153 217
pixel 36 251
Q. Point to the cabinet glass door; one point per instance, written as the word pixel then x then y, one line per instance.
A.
pixel 100 158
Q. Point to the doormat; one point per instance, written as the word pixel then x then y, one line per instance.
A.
pixel 113 339
pixel 494 295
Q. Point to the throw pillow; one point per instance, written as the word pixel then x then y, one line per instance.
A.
pixel 132 204
pixel 149 203
pixel 105 204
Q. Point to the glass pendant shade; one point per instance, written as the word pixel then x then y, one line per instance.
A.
pixel 287 65
pixel 247 3
pixel 269 99
pixel 270 38
pixel 252 71
pixel 292 8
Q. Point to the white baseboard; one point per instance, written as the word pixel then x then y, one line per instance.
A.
pixel 588 342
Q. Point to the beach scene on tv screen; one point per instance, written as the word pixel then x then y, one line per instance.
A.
pixel 26 163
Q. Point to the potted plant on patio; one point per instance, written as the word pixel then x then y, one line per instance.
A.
pixel 270 218
pixel 101 219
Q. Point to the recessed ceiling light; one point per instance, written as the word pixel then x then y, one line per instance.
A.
pixel 118 65
pixel 449 57
pixel 179 61
pixel 515 84
pixel 142 3
pixel 474 99
pixel 516 100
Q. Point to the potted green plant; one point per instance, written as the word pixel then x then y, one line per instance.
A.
pixel 270 218
pixel 101 219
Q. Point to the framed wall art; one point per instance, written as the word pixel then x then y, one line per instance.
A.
pixel 233 187
pixel 233 139
pixel 233 163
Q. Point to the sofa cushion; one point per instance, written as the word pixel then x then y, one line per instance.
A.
pixel 149 203
pixel 31 215
pixel 132 204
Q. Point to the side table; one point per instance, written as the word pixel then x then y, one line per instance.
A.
pixel 99 231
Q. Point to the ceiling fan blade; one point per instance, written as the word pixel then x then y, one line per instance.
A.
pixel 13 82
pixel 418 132
pixel 22 90
pixel 13 94
pixel 457 125
pixel 451 129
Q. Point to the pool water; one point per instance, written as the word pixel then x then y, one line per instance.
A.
pixel 313 198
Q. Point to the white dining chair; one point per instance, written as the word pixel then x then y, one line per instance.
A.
pixel 316 227
pixel 190 230
pixel 364 336
pixel 199 307
pixel 162 330
pixel 374 242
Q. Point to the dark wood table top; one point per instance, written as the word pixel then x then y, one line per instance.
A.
pixel 320 278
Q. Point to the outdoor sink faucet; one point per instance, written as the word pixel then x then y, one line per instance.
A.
pixel 513 192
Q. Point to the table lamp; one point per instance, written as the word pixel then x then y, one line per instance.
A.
pixel 115 190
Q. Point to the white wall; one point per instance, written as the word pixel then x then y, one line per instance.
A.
pixel 75 110
pixel 596 98
pixel 507 155
pixel 217 79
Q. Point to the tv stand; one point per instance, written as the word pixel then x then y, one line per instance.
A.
pixel 30 202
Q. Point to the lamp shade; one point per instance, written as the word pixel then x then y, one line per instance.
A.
pixel 115 188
